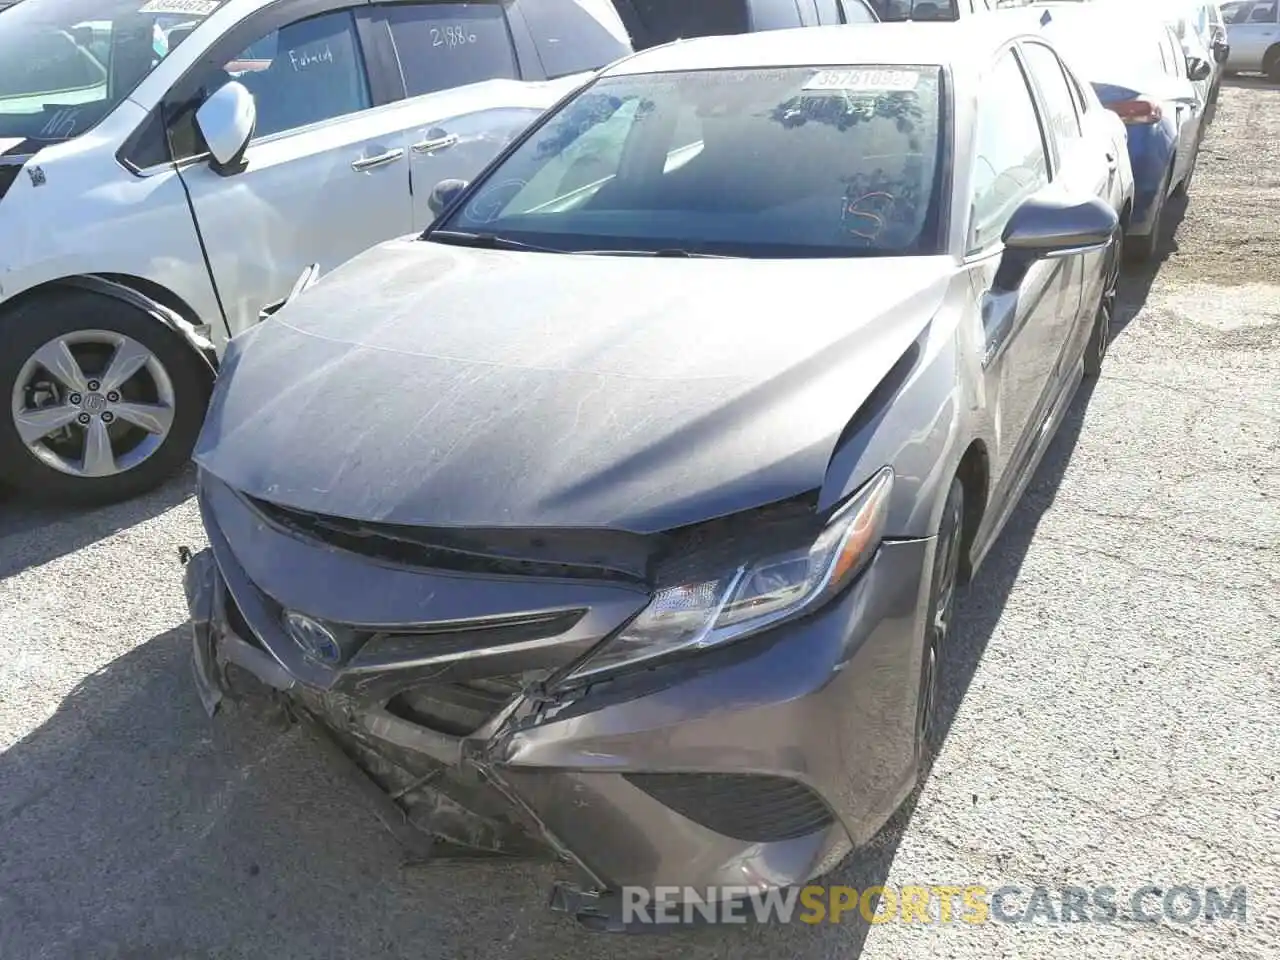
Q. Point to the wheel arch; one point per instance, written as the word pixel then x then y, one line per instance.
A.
pixel 158 302
pixel 1271 57
pixel 974 474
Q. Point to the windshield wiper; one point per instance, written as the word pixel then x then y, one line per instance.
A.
pixel 674 252
pixel 486 241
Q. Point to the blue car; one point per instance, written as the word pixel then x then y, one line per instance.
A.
pixel 1140 72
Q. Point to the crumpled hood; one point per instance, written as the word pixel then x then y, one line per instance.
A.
pixel 444 386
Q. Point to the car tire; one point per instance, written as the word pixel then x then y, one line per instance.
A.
pixel 102 402
pixel 1184 186
pixel 1271 64
pixel 944 584
pixel 1100 338
pixel 1145 247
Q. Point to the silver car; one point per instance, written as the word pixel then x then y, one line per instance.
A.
pixel 1253 32
pixel 621 515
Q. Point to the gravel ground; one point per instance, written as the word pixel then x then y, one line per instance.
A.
pixel 1113 699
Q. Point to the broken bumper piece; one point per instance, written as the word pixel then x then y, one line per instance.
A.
pixel 757 765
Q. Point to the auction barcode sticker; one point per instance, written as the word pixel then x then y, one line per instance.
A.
pixel 878 81
pixel 194 8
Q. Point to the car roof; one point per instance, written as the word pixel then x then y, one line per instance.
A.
pixel 1133 18
pixel 963 43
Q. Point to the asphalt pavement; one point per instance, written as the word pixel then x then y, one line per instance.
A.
pixel 1113 692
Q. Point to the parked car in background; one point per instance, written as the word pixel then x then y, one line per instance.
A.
pixel 1253 32
pixel 658 459
pixel 897 11
pixel 170 167
pixel 654 22
pixel 1200 26
pixel 1213 29
pixel 1136 65
pixel 1191 24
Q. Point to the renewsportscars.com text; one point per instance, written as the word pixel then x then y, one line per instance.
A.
pixel 938 903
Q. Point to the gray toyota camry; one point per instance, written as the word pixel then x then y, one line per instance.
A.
pixel 619 516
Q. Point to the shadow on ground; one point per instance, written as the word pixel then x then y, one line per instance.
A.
pixel 1136 278
pixel 27 527
pixel 1243 81
pixel 137 828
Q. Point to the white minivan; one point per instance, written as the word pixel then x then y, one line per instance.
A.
pixel 170 168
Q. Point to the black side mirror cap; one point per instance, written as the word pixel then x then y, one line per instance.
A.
pixel 443 195
pixel 1044 228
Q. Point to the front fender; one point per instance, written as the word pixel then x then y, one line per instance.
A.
pixel 157 311
pixel 921 421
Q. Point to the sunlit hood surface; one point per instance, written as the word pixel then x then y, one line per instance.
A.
pixel 444 386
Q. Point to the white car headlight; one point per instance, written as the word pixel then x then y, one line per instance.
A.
pixel 755 595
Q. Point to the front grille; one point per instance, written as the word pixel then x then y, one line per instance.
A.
pixel 756 809
pixel 449 638
pixel 567 554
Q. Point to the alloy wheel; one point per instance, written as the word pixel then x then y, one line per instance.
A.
pixel 93 403
pixel 946 567
pixel 1107 306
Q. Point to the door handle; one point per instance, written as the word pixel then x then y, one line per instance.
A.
pixel 435 143
pixel 1111 160
pixel 381 160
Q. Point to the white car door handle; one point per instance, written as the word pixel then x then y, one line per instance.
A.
pixel 1111 160
pixel 381 160
pixel 435 143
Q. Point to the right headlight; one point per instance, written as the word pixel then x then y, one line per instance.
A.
pixel 756 594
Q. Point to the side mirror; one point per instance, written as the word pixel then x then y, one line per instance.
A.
pixel 443 195
pixel 1042 229
pixel 1198 69
pixel 1221 51
pixel 226 121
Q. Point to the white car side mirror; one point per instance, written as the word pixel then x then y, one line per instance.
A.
pixel 226 121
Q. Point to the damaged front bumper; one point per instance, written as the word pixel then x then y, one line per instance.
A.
pixel 758 765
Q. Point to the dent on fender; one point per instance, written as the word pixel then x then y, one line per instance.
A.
pixel 158 311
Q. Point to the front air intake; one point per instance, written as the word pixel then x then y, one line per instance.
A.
pixel 751 807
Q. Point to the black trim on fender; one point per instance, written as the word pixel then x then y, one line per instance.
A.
pixel 157 311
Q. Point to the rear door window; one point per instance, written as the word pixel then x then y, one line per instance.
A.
pixel 1062 120
pixel 573 36
pixel 445 45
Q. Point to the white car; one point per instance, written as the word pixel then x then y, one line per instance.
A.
pixel 895 11
pixel 168 168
